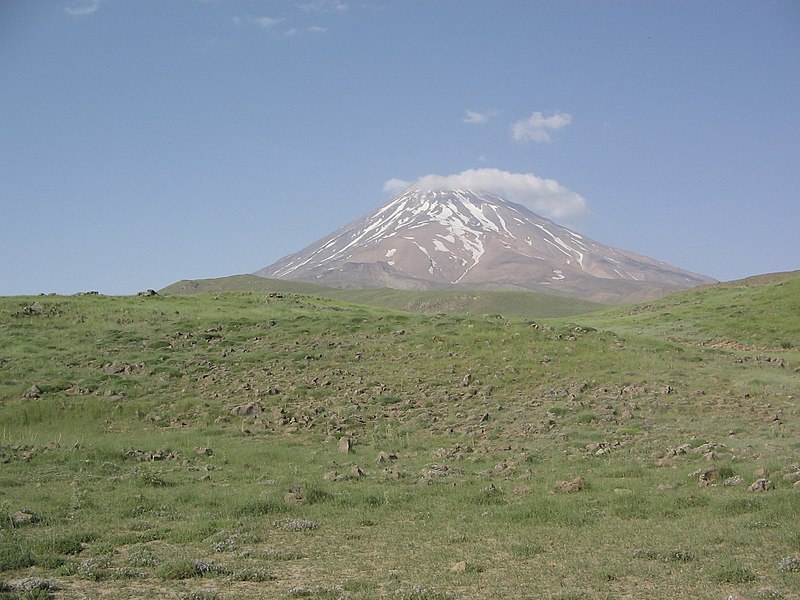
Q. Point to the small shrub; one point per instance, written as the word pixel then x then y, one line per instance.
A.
pixel 103 550
pixel 153 480
pixel 71 543
pixel 142 556
pixel 181 569
pixel 314 495
pixel 678 555
pixel 14 555
pixel 526 550
pixel 68 569
pixel 94 569
pixel 726 472
pixel 49 561
pixel 388 400
pixel 186 569
pixel 735 574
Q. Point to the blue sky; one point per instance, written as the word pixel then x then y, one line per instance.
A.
pixel 147 141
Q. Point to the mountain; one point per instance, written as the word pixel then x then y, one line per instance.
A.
pixel 440 239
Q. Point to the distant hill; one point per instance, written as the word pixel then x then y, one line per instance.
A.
pixel 521 304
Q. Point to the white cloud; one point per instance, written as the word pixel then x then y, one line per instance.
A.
pixel 268 23
pixel 323 6
pixel 536 128
pixel 83 7
pixel 546 197
pixel 317 29
pixel 395 185
pixel 476 117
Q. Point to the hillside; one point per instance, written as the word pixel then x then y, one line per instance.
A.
pixel 283 445
pixel 758 312
pixel 521 304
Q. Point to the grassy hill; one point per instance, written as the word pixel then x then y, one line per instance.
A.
pixel 757 312
pixel 276 444
pixel 509 303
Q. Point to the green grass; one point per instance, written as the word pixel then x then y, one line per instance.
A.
pixel 190 445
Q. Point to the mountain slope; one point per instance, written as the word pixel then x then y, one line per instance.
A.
pixel 438 239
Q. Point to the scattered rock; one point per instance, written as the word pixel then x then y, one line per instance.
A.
pixel 248 409
pixel 435 471
pixel 708 476
pixel 797 486
pixel 385 457
pixel 331 476
pixel 568 487
pixel 32 584
pixel 32 392
pixel 679 450
pixel 116 368
pixel 148 293
pixel 459 567
pixel 345 444
pixel 32 310
pixel 762 485
pixel 158 455
pixel 735 480
pixel 709 448
pixel 761 473
pixel 357 472
pixel 279 416
pixel 295 496
pixel 204 451
pixel 789 564
pixel 23 517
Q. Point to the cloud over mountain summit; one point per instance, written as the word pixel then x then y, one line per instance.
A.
pixel 546 197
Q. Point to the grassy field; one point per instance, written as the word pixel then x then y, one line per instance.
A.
pixel 280 445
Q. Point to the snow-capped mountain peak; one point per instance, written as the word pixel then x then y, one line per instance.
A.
pixel 427 238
